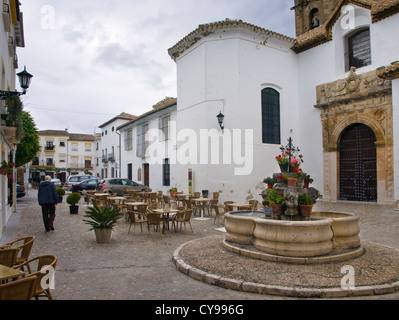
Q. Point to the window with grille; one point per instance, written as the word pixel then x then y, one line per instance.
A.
pixel 359 49
pixel 164 126
pixel 142 144
pixel 270 116
pixel 129 139
pixel 166 173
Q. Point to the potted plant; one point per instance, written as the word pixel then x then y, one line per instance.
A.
pixel 275 200
pixel 305 204
pixel 282 160
pixel 102 220
pixel 308 180
pixel 270 181
pixel 72 200
pixel 173 191
pixel 6 167
pixel 61 193
pixel 266 209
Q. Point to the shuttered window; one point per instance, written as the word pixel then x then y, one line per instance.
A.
pixel 359 49
pixel 270 116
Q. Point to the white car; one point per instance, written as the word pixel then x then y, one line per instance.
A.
pixel 57 182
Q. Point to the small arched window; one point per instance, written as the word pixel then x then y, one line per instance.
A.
pixel 314 18
pixel 359 49
pixel 270 116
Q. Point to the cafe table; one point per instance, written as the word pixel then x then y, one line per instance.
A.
pixel 165 212
pixel 202 202
pixel 9 273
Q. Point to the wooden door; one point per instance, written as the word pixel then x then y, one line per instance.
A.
pixel 146 167
pixel 358 164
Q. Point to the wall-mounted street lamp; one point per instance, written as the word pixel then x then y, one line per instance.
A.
pixel 24 81
pixel 220 117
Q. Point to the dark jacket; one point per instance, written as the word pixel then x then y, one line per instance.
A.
pixel 47 193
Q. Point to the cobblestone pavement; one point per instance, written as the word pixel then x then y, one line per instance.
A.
pixel 138 267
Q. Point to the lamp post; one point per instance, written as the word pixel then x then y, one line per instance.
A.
pixel 220 117
pixel 24 81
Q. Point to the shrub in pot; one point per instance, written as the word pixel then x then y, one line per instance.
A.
pixel 72 200
pixel 61 193
pixel 102 220
pixel 305 204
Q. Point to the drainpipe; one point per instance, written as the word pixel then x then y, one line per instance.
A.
pixel 120 153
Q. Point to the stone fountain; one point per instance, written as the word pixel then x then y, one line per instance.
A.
pixel 290 236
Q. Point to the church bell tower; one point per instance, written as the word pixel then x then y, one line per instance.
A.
pixel 310 14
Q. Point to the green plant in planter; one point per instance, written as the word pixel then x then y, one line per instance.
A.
pixel 102 220
pixel 305 199
pixel 72 200
pixel 61 193
pixel 270 181
pixel 273 197
pixel 102 217
pixel 173 191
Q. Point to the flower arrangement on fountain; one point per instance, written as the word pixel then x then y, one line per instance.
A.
pixel 275 200
pixel 285 163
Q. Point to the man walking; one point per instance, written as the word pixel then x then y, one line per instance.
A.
pixel 48 199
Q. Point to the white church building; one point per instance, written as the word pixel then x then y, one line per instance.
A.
pixel 334 89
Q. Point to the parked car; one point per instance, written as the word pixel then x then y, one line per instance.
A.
pixel 57 182
pixel 75 179
pixel 20 191
pixel 117 185
pixel 88 184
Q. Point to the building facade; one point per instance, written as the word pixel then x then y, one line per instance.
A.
pixel 63 154
pixel 11 37
pixel 148 153
pixel 110 145
pixel 333 89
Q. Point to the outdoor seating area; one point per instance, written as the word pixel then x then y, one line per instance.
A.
pixel 161 212
pixel 22 277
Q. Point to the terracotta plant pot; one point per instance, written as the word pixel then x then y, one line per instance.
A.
pixel 276 209
pixel 3 171
pixel 306 184
pixel 306 210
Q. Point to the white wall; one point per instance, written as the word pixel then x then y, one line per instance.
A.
pixel 226 71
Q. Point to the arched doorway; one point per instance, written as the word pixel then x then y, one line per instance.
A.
pixel 358 164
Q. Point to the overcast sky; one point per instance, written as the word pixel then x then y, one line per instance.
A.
pixel 93 59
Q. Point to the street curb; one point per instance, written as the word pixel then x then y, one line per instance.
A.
pixel 264 289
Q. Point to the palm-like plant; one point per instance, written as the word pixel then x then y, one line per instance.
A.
pixel 102 217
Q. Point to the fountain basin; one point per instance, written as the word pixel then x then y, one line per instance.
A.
pixel 315 236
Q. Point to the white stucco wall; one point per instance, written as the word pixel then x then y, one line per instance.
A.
pixel 226 72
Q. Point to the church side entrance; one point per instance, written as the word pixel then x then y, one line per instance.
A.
pixel 358 167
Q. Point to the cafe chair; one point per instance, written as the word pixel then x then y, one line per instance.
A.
pixel 135 218
pixel 24 245
pixel 8 256
pixel 227 206
pixel 21 289
pixel 154 219
pixel 184 219
pixel 44 264
pixel 219 212
pixel 168 202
